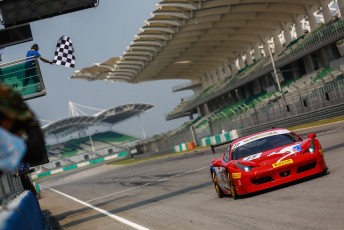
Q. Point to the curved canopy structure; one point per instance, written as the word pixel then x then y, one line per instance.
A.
pixel 187 39
pixel 110 116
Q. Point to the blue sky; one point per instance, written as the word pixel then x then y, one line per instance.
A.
pixel 97 35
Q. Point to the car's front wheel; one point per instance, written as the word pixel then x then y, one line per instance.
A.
pixel 231 186
pixel 219 192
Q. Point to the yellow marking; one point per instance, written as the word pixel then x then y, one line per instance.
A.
pixel 236 175
pixel 285 162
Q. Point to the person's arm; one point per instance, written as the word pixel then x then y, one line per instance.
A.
pixel 45 60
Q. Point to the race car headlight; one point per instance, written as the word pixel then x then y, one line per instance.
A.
pixel 311 147
pixel 243 167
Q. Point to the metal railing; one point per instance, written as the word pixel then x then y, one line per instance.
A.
pixel 10 187
pixel 24 76
pixel 311 102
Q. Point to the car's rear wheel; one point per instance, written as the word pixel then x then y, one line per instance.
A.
pixel 219 192
pixel 231 186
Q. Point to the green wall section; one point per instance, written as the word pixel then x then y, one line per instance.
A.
pixel 70 167
pixel 40 175
pixel 95 161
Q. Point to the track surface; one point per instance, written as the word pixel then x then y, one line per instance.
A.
pixel 177 193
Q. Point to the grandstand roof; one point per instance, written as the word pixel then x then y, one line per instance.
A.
pixel 110 116
pixel 185 39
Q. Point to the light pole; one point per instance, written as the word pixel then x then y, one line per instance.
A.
pixel 277 80
pixel 88 133
pixel 143 131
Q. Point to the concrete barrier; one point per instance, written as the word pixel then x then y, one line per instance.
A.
pixel 23 213
pixel 80 165
pixel 183 147
pixel 233 134
pixel 219 138
pixel 191 145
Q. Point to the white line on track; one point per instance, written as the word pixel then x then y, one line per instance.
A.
pixel 120 219
pixel 144 185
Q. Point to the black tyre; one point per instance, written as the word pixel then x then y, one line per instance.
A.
pixel 219 192
pixel 231 186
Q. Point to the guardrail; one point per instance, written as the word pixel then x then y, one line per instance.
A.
pixel 24 76
pixel 316 115
pixel 121 155
pixel 10 187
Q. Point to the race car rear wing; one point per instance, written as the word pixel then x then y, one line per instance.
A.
pixel 217 145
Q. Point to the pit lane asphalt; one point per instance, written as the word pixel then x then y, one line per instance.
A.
pixel 177 193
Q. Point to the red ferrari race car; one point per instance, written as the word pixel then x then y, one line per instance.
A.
pixel 264 160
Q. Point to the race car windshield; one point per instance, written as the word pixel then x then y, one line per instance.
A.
pixel 263 144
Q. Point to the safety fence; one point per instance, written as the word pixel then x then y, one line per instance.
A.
pixel 10 186
pixel 306 103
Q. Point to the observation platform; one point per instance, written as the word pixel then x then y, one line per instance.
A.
pixel 24 76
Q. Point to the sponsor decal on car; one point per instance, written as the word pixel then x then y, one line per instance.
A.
pixel 287 151
pixel 259 136
pixel 281 163
pixel 236 175
pixel 297 148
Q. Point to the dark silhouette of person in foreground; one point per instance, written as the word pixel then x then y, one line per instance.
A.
pixel 19 121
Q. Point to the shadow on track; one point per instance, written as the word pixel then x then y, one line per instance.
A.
pixel 131 206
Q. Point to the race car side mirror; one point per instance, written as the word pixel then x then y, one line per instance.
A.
pixel 312 135
pixel 216 163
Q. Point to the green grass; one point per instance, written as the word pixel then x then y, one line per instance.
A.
pixel 316 123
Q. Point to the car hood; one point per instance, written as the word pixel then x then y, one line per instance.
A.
pixel 274 155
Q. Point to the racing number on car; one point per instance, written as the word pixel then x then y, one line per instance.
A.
pixel 252 157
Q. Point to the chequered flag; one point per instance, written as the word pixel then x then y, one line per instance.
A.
pixel 64 54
